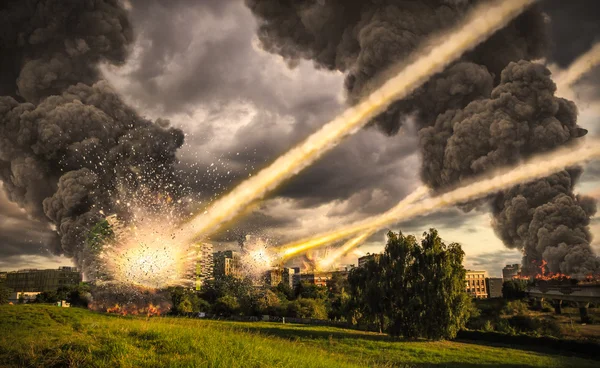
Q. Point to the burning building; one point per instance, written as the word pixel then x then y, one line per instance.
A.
pixel 511 271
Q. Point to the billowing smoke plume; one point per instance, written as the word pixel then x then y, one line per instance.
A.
pixel 491 108
pixel 69 146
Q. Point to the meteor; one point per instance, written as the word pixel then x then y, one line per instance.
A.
pixel 352 243
pixel 578 68
pixel 482 22
pixel 535 168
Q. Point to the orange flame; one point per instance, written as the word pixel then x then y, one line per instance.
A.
pixel 150 310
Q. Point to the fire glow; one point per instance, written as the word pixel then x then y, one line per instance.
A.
pixel 145 255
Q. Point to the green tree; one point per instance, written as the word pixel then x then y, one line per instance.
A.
pixel 367 301
pixel 307 308
pixel 514 289
pixel 419 288
pixel 310 291
pixel 4 294
pixel 227 305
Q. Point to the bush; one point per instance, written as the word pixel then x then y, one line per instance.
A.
pixel 514 289
pixel 523 323
pixel 227 305
pixel 518 307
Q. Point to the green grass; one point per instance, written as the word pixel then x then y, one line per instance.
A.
pixel 48 336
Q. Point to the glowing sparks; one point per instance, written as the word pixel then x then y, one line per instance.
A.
pixel 538 167
pixel 146 256
pixel 257 258
pixel 481 23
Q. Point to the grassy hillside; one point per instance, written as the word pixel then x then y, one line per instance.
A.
pixel 48 336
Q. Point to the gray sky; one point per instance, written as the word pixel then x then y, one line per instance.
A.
pixel 199 65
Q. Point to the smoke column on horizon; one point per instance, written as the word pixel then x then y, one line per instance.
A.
pixel 491 108
pixel 70 149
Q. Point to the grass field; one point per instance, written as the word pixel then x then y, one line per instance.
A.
pixel 48 336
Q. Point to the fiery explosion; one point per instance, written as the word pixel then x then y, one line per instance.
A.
pixel 146 255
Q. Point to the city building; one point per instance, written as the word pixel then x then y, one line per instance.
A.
pixel 2 277
pixel 363 260
pixel 227 263
pixel 494 287
pixel 204 264
pixel 316 278
pixel 35 281
pixel 22 297
pixel 321 278
pixel 475 284
pixel 296 277
pixel 273 277
pixel 345 268
pixel 288 277
pixel 510 271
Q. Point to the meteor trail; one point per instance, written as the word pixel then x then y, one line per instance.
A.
pixel 482 22
pixel 578 68
pixel 354 242
pixel 538 167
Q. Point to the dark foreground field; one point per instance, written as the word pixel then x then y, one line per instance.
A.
pixel 48 336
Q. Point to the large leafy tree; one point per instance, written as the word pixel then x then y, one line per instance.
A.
pixel 419 288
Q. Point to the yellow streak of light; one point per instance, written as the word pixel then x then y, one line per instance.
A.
pixel 352 243
pixel 482 22
pixel 578 68
pixel 326 263
pixel 538 167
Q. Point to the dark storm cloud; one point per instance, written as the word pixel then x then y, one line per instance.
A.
pixel 574 28
pixel 70 145
pixel 197 52
pixel 20 235
pixel 490 109
pixel 163 75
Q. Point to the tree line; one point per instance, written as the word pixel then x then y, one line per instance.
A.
pixel 413 289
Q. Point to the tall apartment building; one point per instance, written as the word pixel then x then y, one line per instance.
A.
pixel 289 276
pixel 227 263
pixel 510 271
pixel 296 276
pixel 204 264
pixel 363 260
pixel 33 280
pixel 494 287
pixel 273 277
pixel 475 284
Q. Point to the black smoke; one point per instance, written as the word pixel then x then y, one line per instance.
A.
pixel 491 108
pixel 70 148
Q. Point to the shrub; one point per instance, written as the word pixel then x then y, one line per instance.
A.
pixel 518 307
pixel 227 305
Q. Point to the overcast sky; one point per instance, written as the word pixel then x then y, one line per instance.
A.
pixel 199 65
